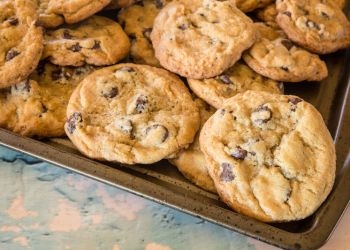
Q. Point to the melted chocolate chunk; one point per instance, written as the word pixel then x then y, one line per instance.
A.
pixel 226 173
pixel 141 104
pixel 165 131
pixel 13 21
pixel 239 153
pixel 67 35
pixel 97 45
pixel 113 92
pixel 294 100
pixel 225 79
pixel 41 67
pixel 75 48
pixel 72 122
pixel 287 43
pixel 11 54
pixel 262 114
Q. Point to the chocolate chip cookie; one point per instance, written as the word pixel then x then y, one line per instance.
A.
pixel 318 25
pixel 201 39
pixel 137 21
pixel 271 156
pixel 250 5
pixel 97 41
pixel 21 41
pixel 37 106
pixel 54 12
pixel 131 114
pixel 191 162
pixel 236 79
pixel 276 57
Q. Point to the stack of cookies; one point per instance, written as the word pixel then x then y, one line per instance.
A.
pixel 197 82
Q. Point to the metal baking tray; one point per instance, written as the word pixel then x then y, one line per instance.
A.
pixel 162 183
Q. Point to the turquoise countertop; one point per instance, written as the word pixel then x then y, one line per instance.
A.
pixel 46 207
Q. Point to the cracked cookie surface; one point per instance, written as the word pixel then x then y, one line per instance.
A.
pixel 191 161
pixel 131 114
pixel 97 41
pixel 318 25
pixel 234 80
pixel 53 13
pixel 276 57
pixel 201 39
pixel 271 156
pixel 137 21
pixel 37 106
pixel 21 41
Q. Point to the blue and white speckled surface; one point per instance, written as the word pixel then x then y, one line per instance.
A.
pixel 46 207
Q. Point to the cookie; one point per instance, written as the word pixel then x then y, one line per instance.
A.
pixel 71 11
pixel 201 39
pixel 271 156
pixel 236 79
pixel 191 162
pixel 137 21
pixel 97 41
pixel 130 114
pixel 276 57
pixel 37 106
pixel 317 25
pixel 21 41
pixel 118 4
pixel 250 5
pixel 47 17
pixel 268 15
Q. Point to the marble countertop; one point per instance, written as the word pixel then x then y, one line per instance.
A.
pixel 46 207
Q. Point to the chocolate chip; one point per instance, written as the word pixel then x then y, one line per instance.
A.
pixel 72 122
pixel 67 35
pixel 126 68
pixel 239 153
pixel 13 21
pixel 41 67
pixel 225 79
pixel 285 68
pixel 295 100
pixel 158 3
pixel 287 13
pixel 11 54
pixel 312 24
pixel 226 173
pixel 182 26
pixel 287 43
pixel 147 33
pixel 262 115
pixel 113 92
pixel 158 126
pixel 56 74
pixel 323 14
pixel 141 103
pixel 75 48
pixel 44 108
pixel 97 45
